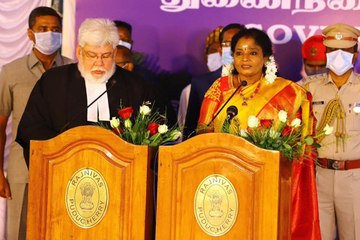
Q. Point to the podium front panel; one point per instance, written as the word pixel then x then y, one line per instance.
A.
pixel 195 183
pixel 88 184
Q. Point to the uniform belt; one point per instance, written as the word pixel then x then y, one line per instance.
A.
pixel 338 164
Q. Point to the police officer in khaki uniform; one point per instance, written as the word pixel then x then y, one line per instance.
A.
pixel 17 80
pixel 335 96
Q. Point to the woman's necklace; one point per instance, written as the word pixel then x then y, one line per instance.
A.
pixel 245 99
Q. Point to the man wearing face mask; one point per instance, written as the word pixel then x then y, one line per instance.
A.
pixel 338 166
pixel 128 59
pixel 313 52
pixel 134 62
pixel 226 56
pixel 213 62
pixel 212 50
pixel 16 82
pixel 200 84
pixel 124 52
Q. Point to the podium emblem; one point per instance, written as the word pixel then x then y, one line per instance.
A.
pixel 86 197
pixel 216 205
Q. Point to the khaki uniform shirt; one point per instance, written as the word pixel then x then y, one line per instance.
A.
pixel 323 89
pixel 17 80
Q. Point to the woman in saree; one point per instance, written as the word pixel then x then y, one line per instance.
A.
pixel 254 90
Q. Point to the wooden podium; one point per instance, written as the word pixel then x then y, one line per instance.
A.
pixel 219 186
pixel 87 183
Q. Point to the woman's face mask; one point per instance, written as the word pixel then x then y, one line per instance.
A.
pixel 339 61
pixel 47 42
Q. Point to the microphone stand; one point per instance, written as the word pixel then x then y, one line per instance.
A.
pixel 77 115
pixel 243 83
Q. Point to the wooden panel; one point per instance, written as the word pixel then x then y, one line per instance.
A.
pixel 254 173
pixel 125 168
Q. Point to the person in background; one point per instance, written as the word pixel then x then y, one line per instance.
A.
pixel 124 59
pixel 213 62
pixel 313 52
pixel 124 53
pixel 213 50
pixel 336 101
pixel 260 93
pixel 64 97
pixel 17 79
pixel 125 34
pixel 133 62
pixel 200 84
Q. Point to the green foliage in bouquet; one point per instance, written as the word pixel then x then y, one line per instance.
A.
pixel 285 137
pixel 146 128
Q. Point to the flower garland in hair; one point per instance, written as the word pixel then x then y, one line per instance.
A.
pixel 227 70
pixel 270 73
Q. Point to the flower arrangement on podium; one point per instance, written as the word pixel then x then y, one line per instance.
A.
pixel 146 128
pixel 285 136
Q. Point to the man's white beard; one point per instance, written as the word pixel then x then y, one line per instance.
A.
pixel 90 78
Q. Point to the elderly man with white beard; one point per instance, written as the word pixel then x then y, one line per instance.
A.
pixel 66 97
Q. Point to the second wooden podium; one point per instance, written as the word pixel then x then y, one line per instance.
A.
pixel 219 186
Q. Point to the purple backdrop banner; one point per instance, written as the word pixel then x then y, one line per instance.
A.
pixel 172 33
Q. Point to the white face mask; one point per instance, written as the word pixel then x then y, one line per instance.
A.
pixel 213 61
pixel 227 59
pixel 47 42
pixel 124 44
pixel 339 61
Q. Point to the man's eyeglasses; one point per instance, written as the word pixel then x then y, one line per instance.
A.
pixel 226 44
pixel 94 56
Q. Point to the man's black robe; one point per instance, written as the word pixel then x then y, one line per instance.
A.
pixel 58 102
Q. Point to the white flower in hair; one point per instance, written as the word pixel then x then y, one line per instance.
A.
pixel 227 70
pixel 270 73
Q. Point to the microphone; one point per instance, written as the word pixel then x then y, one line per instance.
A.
pixel 112 84
pixel 243 83
pixel 231 112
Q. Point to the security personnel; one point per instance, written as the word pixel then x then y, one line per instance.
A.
pixel 313 52
pixel 335 95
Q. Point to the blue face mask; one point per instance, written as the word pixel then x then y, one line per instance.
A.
pixel 227 59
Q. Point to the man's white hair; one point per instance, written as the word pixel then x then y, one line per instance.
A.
pixel 98 32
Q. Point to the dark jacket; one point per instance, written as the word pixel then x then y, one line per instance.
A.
pixel 199 86
pixel 58 102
